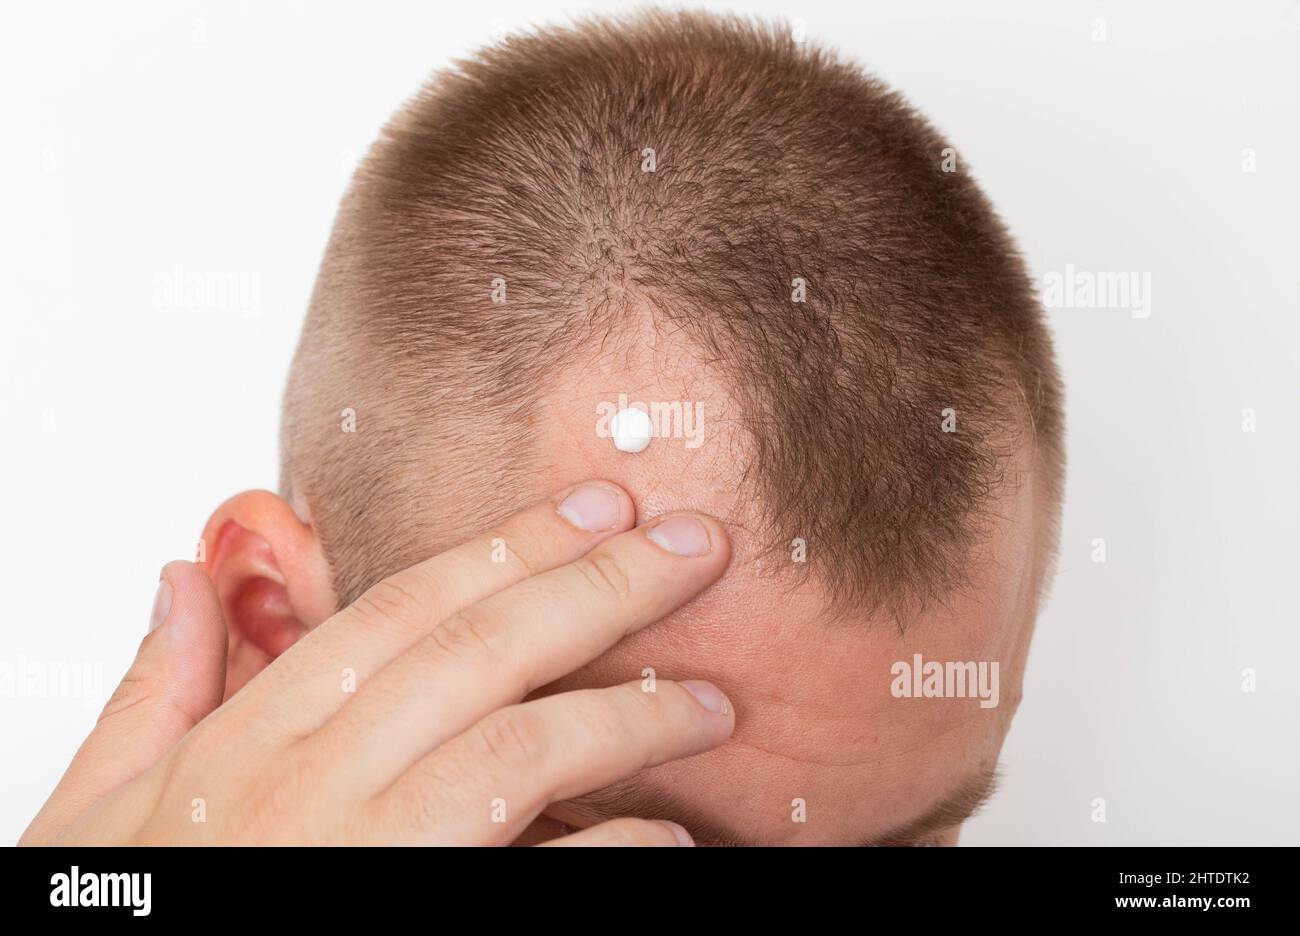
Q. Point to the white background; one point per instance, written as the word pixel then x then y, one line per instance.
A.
pixel 219 137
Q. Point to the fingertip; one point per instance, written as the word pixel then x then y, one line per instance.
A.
pixel 690 535
pixel 189 644
pixel 192 605
pixel 710 697
pixel 178 571
pixel 596 506
pixel 679 834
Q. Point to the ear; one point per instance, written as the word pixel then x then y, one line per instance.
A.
pixel 271 577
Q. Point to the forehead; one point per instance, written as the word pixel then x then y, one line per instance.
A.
pixel 819 718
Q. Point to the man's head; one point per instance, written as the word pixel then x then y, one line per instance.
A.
pixel 766 249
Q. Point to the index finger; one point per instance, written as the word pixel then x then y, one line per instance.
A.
pixel 496 651
pixel 303 687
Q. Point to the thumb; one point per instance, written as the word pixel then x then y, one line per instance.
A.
pixel 178 677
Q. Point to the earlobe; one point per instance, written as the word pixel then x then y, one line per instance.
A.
pixel 271 577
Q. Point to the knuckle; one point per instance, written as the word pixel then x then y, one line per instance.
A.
pixel 148 702
pixel 615 714
pixel 204 752
pixel 633 702
pixel 517 549
pixel 272 810
pixel 605 573
pixel 427 813
pixel 130 692
pixel 399 600
pixel 465 631
pixel 512 738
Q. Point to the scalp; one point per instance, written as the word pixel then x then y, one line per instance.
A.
pixel 775 164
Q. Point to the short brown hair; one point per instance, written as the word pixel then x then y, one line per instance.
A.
pixel 775 162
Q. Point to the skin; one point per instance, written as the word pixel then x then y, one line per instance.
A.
pixel 809 692
pixel 434 747
pixel 815 717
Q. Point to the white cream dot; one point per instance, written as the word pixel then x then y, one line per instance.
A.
pixel 631 430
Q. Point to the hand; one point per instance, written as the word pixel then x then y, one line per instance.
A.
pixel 434 746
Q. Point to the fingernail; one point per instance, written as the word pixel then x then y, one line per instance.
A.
pixel 681 536
pixel 162 605
pixel 591 508
pixel 683 837
pixel 708 695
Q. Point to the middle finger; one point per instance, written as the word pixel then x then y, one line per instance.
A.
pixel 496 651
